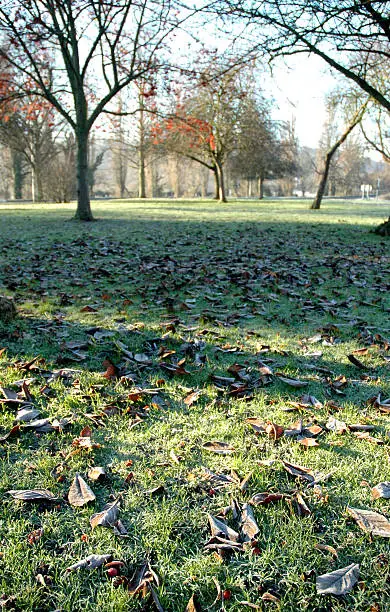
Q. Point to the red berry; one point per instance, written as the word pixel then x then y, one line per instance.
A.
pixel 112 572
pixel 227 594
pixel 212 492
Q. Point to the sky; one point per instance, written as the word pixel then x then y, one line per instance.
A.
pixel 299 87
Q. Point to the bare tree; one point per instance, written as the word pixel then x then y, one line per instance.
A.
pixel 79 54
pixel 351 36
pixel 349 126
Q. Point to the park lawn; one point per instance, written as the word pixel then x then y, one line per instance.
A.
pixel 174 293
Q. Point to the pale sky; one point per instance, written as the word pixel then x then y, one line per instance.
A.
pixel 299 87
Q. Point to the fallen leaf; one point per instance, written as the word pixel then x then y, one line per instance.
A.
pixel 307 442
pixel 221 448
pixel 374 523
pixel 12 433
pixel 107 516
pixel 300 471
pixel 381 490
pixel 269 597
pixel 356 362
pixel 274 431
pixel 97 473
pixel 265 498
pixel 193 605
pixel 142 577
pixel 292 382
pixel 91 562
pixel 33 495
pixel 80 493
pixel 248 525
pixel 327 548
pixel 220 529
pixel 339 582
pixel 336 426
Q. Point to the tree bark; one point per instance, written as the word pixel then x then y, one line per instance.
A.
pixel 329 156
pixel 18 175
pixel 83 212
pixel 261 188
pixel 221 179
pixel 141 151
pixel 216 178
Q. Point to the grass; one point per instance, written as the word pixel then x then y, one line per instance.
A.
pixel 193 277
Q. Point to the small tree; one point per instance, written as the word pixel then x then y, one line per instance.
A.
pixel 79 54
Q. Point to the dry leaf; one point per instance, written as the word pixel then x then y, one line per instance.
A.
pixel 327 548
pixel 97 473
pixel 274 431
pixel 107 517
pixel 80 493
pixel 220 529
pixel 308 442
pixel 300 471
pixel 339 582
pixel 265 498
pixel 33 495
pixel 193 605
pixel 248 525
pixel 90 562
pixel 221 448
pixel 336 426
pixel 381 490
pixel 374 523
pixel 292 382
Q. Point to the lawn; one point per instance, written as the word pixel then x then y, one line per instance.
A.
pixel 194 351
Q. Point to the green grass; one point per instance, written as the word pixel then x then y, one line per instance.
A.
pixel 245 275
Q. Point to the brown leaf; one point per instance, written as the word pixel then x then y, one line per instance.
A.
pixel 220 529
pixel 33 495
pixel 265 498
pixel 372 522
pixel 192 398
pixel 327 548
pixel 300 471
pixel 274 431
pixel 356 362
pixel 97 473
pixel 299 506
pixel 91 562
pixel 221 448
pixel 248 525
pixel 12 433
pixel 269 597
pixel 80 493
pixel 142 578
pixel 193 605
pixel 35 536
pixel 308 442
pixel 111 369
pixel 292 382
pixel 258 425
pixel 107 516
pixel 339 582
pixel 381 490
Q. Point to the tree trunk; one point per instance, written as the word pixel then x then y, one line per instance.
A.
pixel 261 188
pixel 221 178
pixel 383 229
pixel 329 156
pixel 321 187
pixel 18 175
pixel 83 212
pixel 216 178
pixel 141 152
pixel 33 198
